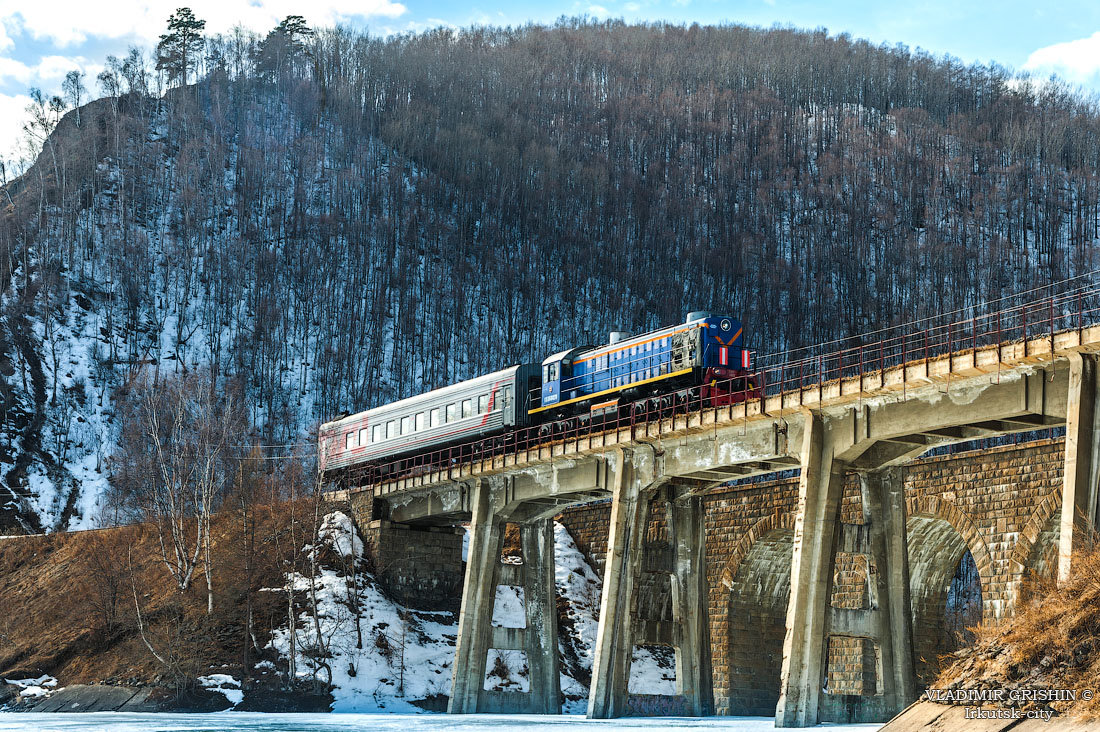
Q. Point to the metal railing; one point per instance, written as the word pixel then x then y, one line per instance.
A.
pixel 797 371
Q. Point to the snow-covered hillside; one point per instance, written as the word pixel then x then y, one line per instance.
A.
pixel 399 213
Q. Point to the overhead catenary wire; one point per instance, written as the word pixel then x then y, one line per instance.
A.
pixel 1091 288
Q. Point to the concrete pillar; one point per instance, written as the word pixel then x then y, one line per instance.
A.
pixel 884 510
pixel 615 637
pixel 817 523
pixel 1079 478
pixel 478 596
pixel 540 600
pixel 689 604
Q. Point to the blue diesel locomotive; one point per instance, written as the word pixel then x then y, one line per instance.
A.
pixel 702 357
pixel 704 351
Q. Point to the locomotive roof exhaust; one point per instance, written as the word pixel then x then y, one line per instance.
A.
pixel 698 315
pixel 617 335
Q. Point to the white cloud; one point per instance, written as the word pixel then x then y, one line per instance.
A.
pixel 67 22
pixel 5 40
pixel 47 73
pixel 1076 61
pixel 54 68
pixel 598 11
pixel 13 112
pixel 17 71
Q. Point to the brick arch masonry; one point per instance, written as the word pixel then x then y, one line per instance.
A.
pixel 760 528
pixel 939 536
pixel 1029 550
pixel 759 590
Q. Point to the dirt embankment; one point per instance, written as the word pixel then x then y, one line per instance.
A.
pixel 1039 670
pixel 71 606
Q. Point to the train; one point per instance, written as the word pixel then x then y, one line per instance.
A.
pixel 702 357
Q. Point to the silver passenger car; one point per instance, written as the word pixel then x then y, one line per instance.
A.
pixel 440 418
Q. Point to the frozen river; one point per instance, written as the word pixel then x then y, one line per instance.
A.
pixel 254 722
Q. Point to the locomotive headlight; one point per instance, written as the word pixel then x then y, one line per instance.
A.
pixel 725 324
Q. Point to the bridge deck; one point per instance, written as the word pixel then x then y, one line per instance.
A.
pixel 874 386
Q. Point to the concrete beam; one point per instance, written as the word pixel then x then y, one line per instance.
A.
pixel 748 449
pixel 686 523
pixel 478 596
pixel 568 481
pixel 883 494
pixel 1079 477
pixel 541 607
pixel 927 416
pixel 817 523
pixel 634 484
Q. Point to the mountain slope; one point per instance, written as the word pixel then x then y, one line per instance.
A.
pixel 389 215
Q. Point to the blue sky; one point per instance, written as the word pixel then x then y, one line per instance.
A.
pixel 40 41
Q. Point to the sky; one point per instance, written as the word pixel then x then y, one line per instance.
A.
pixel 40 41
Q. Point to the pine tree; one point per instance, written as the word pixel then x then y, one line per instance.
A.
pixel 179 49
pixel 282 46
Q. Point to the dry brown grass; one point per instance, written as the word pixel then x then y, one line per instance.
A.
pixel 67 603
pixel 1052 642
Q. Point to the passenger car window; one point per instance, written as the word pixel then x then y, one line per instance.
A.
pixel 349 441
pixel 433 417
pixel 377 433
pixel 406 425
pixel 483 404
pixel 391 429
pixel 421 421
pixel 452 412
pixel 467 407
pixel 364 436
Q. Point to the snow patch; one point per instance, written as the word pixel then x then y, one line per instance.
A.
pixel 34 688
pixel 224 684
pixel 386 656
pixel 338 531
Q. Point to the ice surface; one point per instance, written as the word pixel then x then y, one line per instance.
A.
pixel 256 721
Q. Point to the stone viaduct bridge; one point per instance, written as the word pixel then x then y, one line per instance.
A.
pixel 849 422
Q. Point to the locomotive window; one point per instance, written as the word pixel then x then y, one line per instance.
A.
pixel 483 404
pixel 377 433
pixel 467 407
pixel 452 412
pixel 433 417
pixel 349 441
pixel 391 429
pixel 406 425
pixel 364 436
pixel 421 421
pixel 553 370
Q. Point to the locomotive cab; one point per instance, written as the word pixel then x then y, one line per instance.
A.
pixel 558 381
pixel 725 371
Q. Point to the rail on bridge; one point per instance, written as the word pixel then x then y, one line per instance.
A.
pixel 832 410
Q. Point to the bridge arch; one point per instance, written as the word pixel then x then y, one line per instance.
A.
pixel 940 535
pixel 754 592
pixel 1036 551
